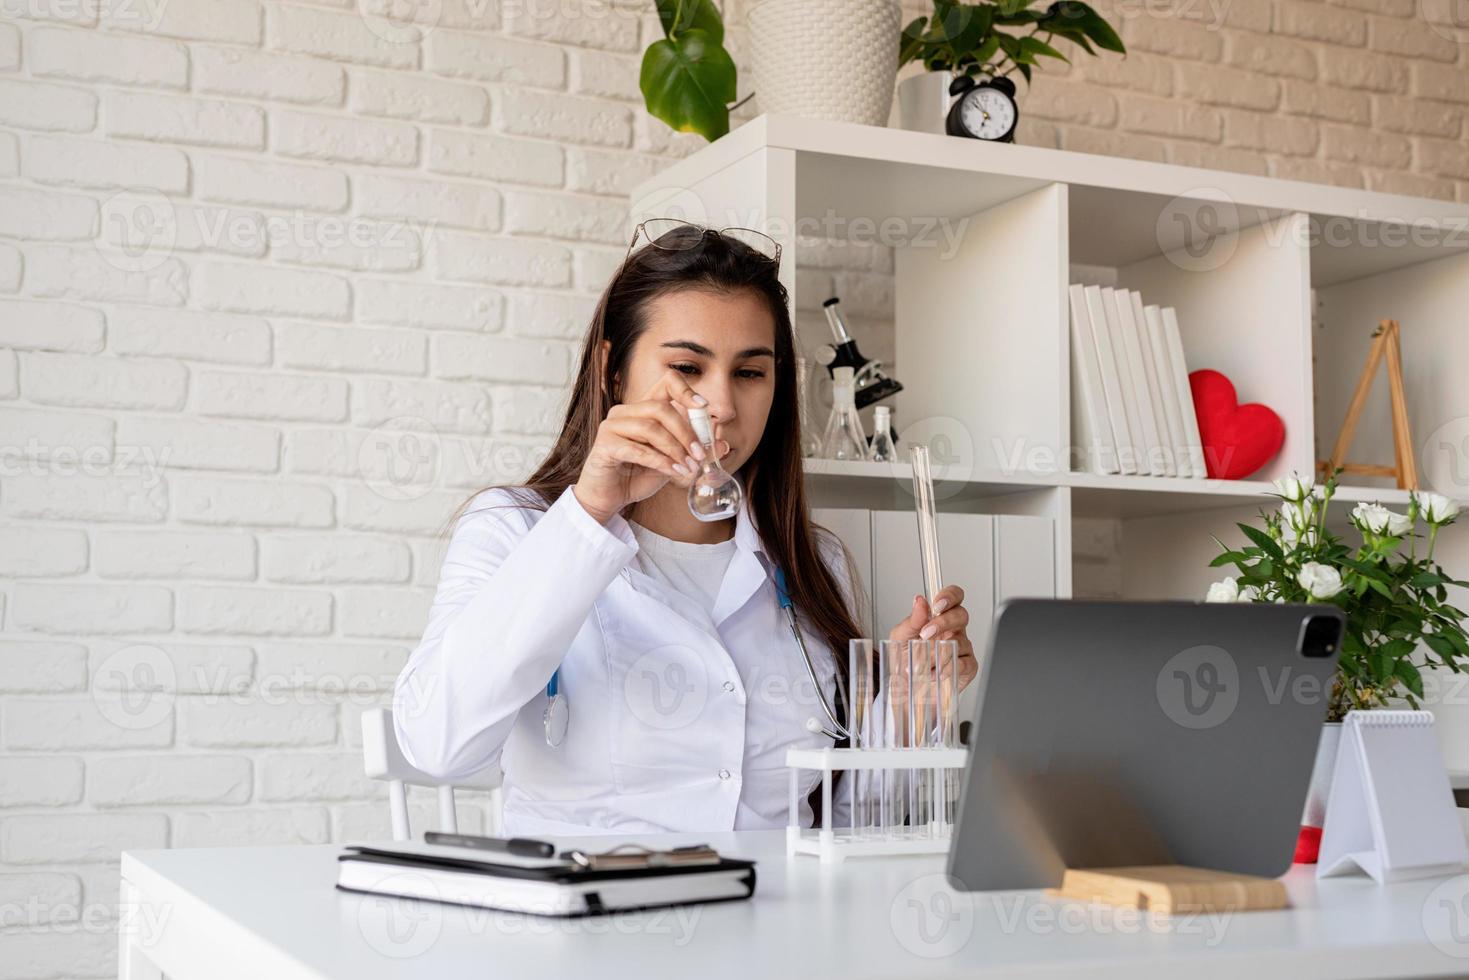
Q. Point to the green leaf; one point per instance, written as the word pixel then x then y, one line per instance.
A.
pixel 1377 586
pixel 1409 675
pixel 1074 35
pixel 973 28
pixel 689 82
pixel 1036 47
pixel 946 23
pixel 1424 580
pixel 1092 24
pixel 677 16
pixel 986 51
pixel 1441 645
pixel 910 42
pixel 1264 542
pixel 1398 649
pixel 1382 666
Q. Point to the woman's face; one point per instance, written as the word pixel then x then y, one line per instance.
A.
pixel 723 345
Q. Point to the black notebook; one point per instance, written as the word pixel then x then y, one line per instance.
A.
pixel 539 886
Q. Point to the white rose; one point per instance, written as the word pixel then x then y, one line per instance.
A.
pixel 1438 509
pixel 1294 487
pixel 1398 524
pixel 1226 591
pixel 1249 593
pixel 1371 517
pixel 1322 581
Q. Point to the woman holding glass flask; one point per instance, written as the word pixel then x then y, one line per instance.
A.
pixel 625 659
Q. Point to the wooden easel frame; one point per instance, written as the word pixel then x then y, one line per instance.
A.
pixel 1385 345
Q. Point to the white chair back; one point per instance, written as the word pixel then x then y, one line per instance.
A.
pixel 383 759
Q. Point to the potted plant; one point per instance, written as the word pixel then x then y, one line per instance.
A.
pixel 993 40
pixel 1395 596
pixel 688 78
pixel 825 59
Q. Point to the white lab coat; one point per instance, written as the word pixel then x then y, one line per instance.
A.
pixel 679 720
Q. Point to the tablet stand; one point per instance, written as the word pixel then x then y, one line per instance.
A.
pixel 1170 889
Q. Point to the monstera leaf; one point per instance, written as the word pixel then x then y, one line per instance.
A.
pixel 680 15
pixel 688 79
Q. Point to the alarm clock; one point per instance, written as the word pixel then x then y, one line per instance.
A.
pixel 983 110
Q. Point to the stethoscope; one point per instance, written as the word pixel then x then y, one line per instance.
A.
pixel 557 715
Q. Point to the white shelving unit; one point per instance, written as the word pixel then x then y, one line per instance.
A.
pixel 1277 283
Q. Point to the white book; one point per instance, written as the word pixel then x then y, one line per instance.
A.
pixel 1160 451
pixel 1152 321
pixel 1391 811
pixel 1090 425
pixel 1126 373
pixel 1111 380
pixel 1185 394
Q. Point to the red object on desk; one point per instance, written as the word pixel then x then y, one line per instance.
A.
pixel 1238 439
pixel 1308 845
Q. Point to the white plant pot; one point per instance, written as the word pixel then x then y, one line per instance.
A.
pixel 1320 791
pixel 826 59
pixel 924 101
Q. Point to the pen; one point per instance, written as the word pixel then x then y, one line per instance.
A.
pixel 521 846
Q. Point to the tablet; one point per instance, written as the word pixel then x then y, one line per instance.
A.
pixel 1109 734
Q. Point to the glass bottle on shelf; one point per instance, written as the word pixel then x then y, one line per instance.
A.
pixel 845 438
pixel 882 450
pixel 810 444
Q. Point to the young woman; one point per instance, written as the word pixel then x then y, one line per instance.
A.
pixel 678 684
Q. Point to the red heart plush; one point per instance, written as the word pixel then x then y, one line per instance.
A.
pixel 1238 439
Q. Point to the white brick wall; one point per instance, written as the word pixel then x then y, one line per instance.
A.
pixel 280 284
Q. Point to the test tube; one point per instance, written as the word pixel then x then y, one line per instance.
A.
pixel 928 534
pixel 891 796
pixel 946 683
pixel 928 552
pixel 859 688
pixel 925 713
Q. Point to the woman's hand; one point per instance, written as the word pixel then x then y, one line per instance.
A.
pixel 948 620
pixel 641 446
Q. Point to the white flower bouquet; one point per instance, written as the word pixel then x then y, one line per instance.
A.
pixel 1399 620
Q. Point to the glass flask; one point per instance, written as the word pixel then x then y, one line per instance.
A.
pixel 844 437
pixel 714 494
pixel 882 450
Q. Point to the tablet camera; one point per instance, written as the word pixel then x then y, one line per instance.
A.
pixel 1320 636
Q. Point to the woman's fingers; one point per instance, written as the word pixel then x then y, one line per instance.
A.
pixel 671 386
pixel 948 597
pixel 664 414
pixel 909 627
pixel 953 621
pixel 639 454
pixel 652 433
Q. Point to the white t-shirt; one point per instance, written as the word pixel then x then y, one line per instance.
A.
pixel 695 570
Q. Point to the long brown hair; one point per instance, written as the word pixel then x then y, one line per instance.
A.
pixel 772 477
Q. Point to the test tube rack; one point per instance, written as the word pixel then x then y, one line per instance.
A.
pixel 835 845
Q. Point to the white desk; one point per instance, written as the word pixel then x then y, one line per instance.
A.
pixel 273 912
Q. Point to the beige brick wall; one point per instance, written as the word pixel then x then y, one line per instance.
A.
pixel 1360 93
